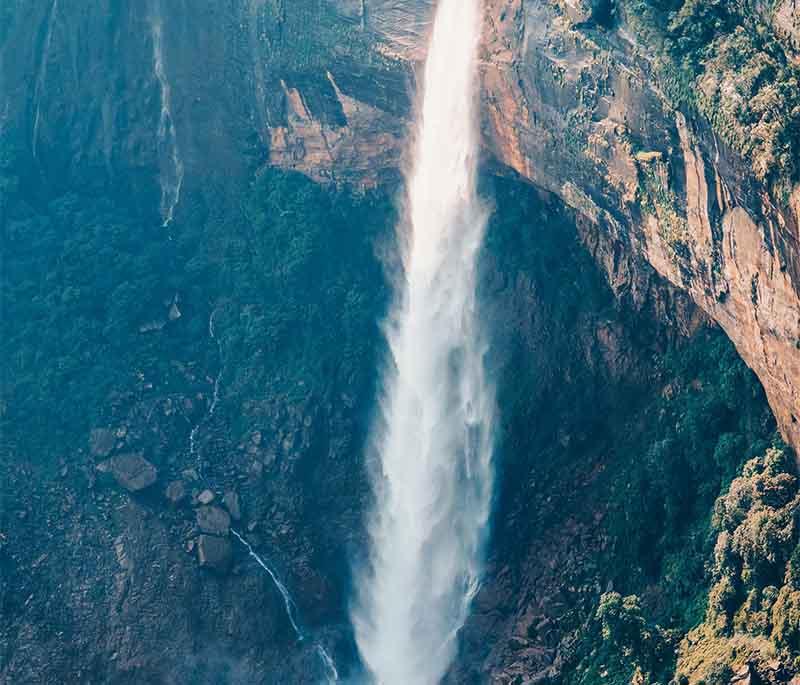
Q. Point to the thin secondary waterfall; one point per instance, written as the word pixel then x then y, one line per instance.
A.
pixel 328 665
pixel 169 158
pixel 41 76
pixel 212 408
pixel 434 440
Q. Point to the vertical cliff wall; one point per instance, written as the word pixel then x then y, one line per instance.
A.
pixel 579 108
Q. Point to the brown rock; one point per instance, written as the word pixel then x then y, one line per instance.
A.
pixel 214 552
pixel 213 520
pixel 176 492
pixel 132 471
pixel 742 676
pixel 205 497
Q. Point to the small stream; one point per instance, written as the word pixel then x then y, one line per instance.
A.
pixel 328 664
pixel 331 674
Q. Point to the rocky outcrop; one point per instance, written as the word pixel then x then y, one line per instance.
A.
pixel 213 520
pixel 131 471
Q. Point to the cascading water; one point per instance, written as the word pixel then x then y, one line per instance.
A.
pixel 434 443
pixel 328 665
pixel 169 157
pixel 41 76
pixel 212 408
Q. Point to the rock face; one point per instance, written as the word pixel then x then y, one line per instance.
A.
pixel 719 236
pixel 571 102
pixel 570 105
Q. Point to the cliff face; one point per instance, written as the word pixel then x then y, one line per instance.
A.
pixel 573 101
pixel 579 110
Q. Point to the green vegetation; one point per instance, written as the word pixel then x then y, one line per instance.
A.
pixel 305 290
pixel 753 613
pixel 752 609
pixel 661 488
pixel 81 275
pixel 721 58
pixel 659 199
pixel 105 308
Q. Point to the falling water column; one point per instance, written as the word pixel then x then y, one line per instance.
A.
pixel 434 436
pixel 171 176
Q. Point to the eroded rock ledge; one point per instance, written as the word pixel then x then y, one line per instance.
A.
pixel 579 113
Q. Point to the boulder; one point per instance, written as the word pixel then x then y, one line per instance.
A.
pixel 176 492
pixel 190 474
pixel 101 442
pixel 132 471
pixel 743 676
pixel 231 501
pixel 205 497
pixel 213 552
pixel 213 520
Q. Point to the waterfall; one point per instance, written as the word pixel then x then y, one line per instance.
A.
pixel 42 75
pixel 171 165
pixel 209 415
pixel 433 443
pixel 328 665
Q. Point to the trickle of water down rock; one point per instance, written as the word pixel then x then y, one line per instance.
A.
pixel 433 438
pixel 171 164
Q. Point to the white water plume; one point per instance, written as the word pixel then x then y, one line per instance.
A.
pixel 171 172
pixel 434 442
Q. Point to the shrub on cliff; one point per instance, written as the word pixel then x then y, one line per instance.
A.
pixel 721 59
pixel 753 612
